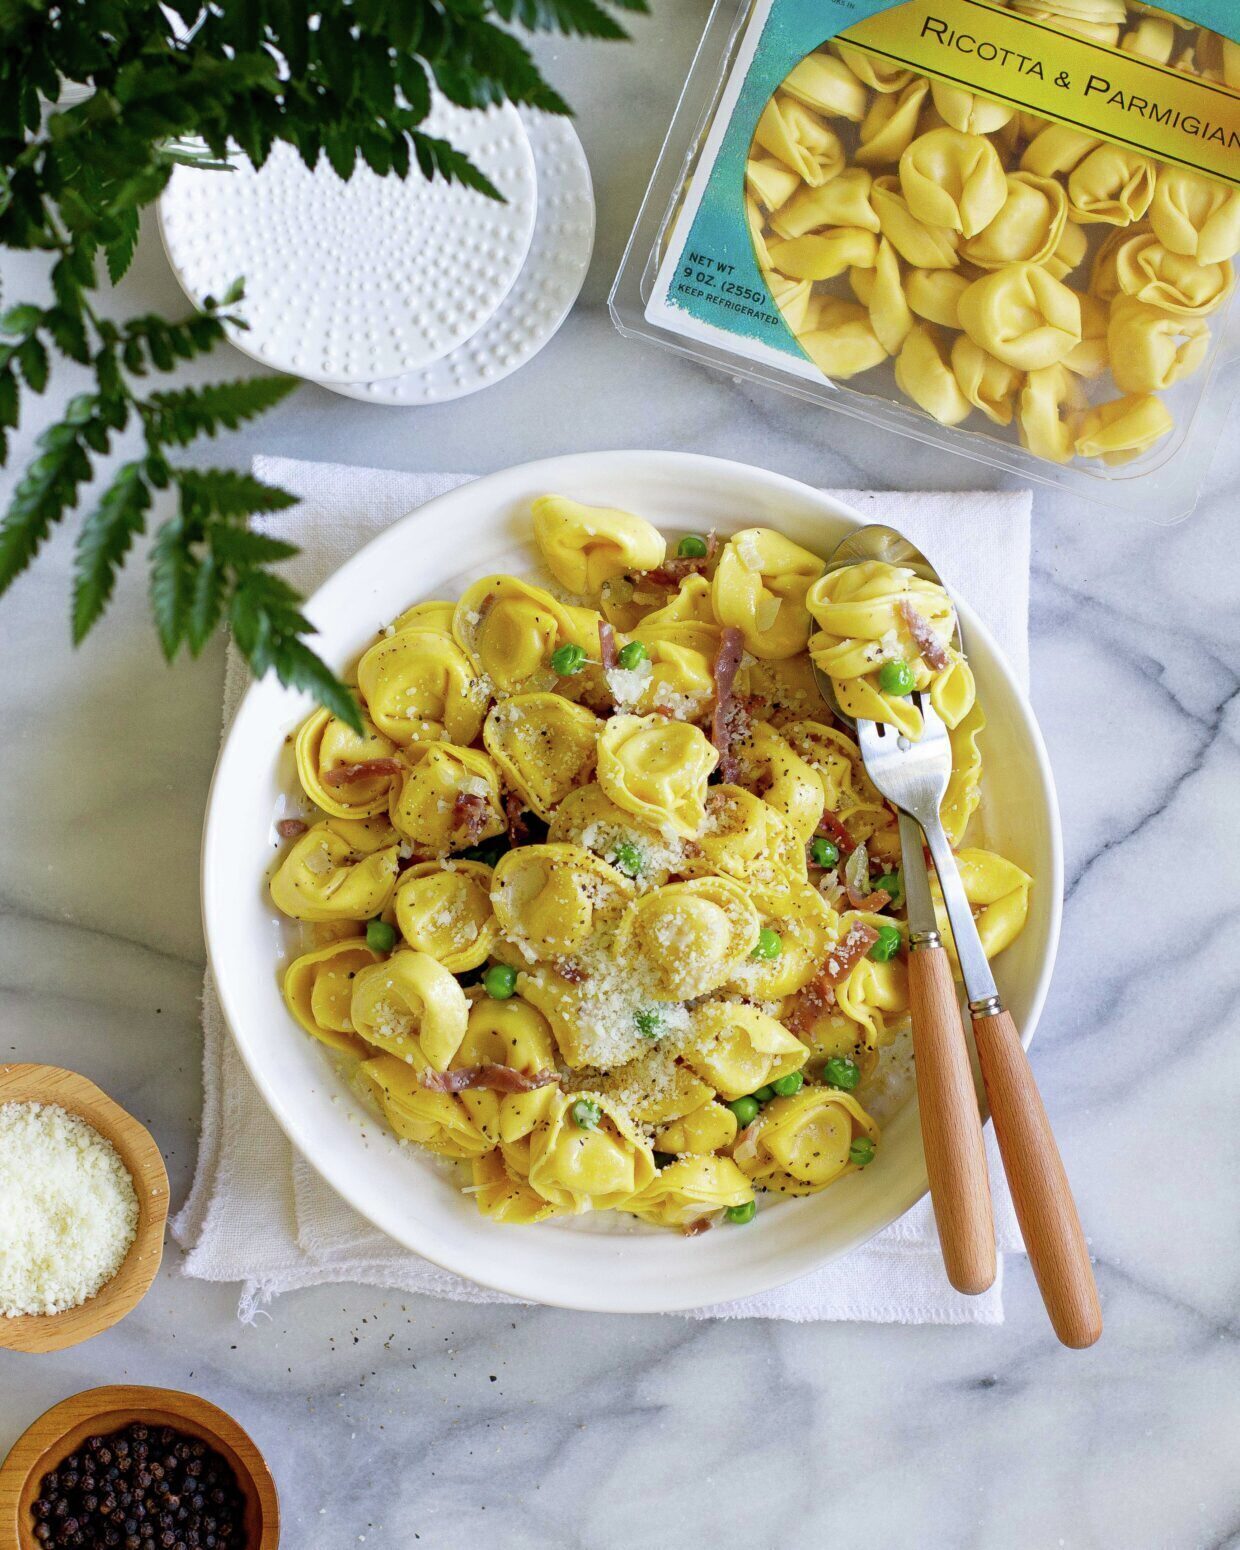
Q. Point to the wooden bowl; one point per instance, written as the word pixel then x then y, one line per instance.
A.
pixel 137 1150
pixel 67 1425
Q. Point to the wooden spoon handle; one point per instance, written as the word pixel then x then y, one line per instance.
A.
pixel 951 1127
pixel 1040 1190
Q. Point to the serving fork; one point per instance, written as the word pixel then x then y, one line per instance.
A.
pixel 914 776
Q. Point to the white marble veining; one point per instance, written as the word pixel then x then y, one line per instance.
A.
pixel 447 1426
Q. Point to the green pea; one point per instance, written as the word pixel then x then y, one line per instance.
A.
pixel 770 944
pixel 824 853
pixel 892 883
pixel 586 1114
pixel 380 936
pixel 742 1214
pixel 764 1094
pixel 691 547
pixel 630 655
pixel 896 678
pixel 841 1071
pixel 745 1109
pixel 888 945
pixel 649 1022
pixel 500 981
pixel 861 1151
pixel 567 660
pixel 785 1086
pixel 627 858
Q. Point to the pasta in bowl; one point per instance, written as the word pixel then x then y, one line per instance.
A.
pixel 652 980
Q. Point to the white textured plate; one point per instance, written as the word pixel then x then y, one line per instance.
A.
pixel 543 295
pixel 583 1262
pixel 349 281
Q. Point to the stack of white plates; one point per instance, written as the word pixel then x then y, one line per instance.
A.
pixel 388 290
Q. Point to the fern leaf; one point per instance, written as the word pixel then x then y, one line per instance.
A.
pixel 103 542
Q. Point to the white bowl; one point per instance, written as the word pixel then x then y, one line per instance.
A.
pixel 582 1262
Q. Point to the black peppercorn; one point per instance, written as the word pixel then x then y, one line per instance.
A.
pixel 138 1489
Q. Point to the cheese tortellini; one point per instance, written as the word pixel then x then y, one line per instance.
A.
pixel 577 911
pixel 1003 270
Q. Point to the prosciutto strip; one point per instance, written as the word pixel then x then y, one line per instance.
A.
pixel 495 1079
pixel 469 812
pixel 831 826
pixel 723 723
pixel 695 1229
pixel 568 969
pixel 609 656
pixel 928 643
pixel 516 813
pixel 365 769
pixel 819 995
pixel 857 878
pixel 290 828
pixel 672 572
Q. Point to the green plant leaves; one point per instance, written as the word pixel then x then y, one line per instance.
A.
pixel 354 85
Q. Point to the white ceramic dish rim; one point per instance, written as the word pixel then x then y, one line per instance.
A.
pixel 633 1274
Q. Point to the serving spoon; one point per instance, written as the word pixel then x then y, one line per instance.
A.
pixel 951 1127
pixel 914 777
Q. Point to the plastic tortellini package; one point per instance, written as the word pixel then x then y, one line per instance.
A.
pixel 597 909
pixel 1010 228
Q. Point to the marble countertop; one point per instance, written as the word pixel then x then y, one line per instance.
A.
pixel 397 1422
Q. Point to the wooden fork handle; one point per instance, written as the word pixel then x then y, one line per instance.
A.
pixel 1040 1190
pixel 951 1127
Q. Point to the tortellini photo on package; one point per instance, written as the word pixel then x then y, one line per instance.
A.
pixel 577 913
pixel 954 217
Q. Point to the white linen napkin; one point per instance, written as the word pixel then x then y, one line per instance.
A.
pixel 257 1212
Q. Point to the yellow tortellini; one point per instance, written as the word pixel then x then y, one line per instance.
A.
pixel 1111 185
pixel 318 990
pixel 690 1189
pixel 1145 269
pixel 741 1048
pixel 341 869
pixel 444 909
pixel 544 745
pixel 953 179
pixel 657 769
pixel 692 934
pixel 509 629
pixel 410 1005
pixel 940 209
pixel 873 613
pixel 997 890
pixel 333 765
pixel 790 785
pixel 800 139
pixel 418 687
pixel 1195 216
pixel 1152 349
pixel 584 546
pixel 801 1144
pixel 1022 315
pixel 547 948
pixel 759 588
pixel 438 1121
pixel 448 799
pixel 553 896
pixel 575 1168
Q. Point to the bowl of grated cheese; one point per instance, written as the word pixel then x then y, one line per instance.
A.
pixel 86 1200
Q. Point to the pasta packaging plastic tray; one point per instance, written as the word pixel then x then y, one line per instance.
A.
pixel 1006 228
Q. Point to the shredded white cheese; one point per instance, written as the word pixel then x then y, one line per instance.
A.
pixel 70 1211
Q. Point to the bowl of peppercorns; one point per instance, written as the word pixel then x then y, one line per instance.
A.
pixel 137 1469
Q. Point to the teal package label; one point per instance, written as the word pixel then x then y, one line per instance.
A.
pixel 717 281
